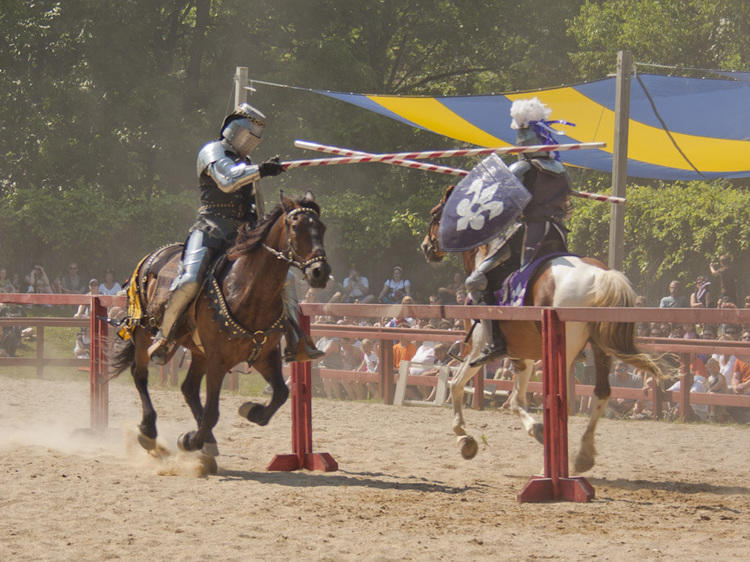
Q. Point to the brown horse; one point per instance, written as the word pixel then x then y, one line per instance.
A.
pixel 566 281
pixel 238 317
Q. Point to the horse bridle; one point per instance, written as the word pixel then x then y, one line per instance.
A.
pixel 290 255
pixel 436 213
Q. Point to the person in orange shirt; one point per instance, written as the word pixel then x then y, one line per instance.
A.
pixel 404 350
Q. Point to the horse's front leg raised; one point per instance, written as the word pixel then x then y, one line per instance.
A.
pixel 270 368
pixel 466 372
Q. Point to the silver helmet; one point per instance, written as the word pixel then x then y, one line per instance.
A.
pixel 243 128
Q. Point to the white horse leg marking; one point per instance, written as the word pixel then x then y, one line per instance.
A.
pixel 518 397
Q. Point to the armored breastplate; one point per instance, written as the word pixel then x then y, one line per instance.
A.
pixel 236 206
pixel 550 195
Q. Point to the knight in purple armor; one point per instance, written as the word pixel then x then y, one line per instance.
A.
pixel 542 222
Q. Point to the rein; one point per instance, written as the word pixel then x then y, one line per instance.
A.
pixel 291 256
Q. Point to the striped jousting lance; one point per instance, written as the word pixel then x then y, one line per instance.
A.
pixel 401 159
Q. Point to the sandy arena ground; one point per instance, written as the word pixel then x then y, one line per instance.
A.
pixel 663 491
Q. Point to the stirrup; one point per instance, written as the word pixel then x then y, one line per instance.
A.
pixel 159 350
pixel 489 353
pixel 305 351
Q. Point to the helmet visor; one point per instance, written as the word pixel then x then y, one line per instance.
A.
pixel 243 134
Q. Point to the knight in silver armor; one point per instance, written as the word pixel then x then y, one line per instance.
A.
pixel 226 177
pixel 542 220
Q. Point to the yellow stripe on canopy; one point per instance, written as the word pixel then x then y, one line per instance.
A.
pixel 595 122
pixel 433 115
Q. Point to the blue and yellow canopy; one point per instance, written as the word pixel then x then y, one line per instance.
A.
pixel 709 120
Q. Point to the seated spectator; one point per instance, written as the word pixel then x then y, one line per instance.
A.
pixel 403 350
pixel 700 298
pixel 675 299
pixel 447 294
pixel 355 288
pixel 395 288
pixel 83 339
pixel 109 286
pixel 5 285
pixel 724 271
pixel 700 384
pixel 38 281
pixel 689 331
pixel 426 355
pixel 72 281
pixel 403 321
pixel 640 302
pixel 717 384
pixel 741 372
pixel 622 376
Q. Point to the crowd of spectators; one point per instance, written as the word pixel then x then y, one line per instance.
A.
pixel 71 281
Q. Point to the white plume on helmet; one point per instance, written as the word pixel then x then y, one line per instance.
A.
pixel 523 111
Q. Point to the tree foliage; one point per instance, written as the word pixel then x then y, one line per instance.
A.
pixel 105 105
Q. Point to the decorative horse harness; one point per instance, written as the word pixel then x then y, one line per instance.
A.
pixel 222 315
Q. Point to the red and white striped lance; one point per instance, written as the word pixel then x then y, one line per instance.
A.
pixel 425 154
pixel 366 157
pixel 355 157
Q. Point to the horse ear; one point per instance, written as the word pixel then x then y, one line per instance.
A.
pixel 309 197
pixel 286 203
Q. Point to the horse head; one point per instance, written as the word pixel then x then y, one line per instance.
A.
pixel 304 243
pixel 430 245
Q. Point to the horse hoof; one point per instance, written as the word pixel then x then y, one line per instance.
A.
pixel 469 446
pixel 583 463
pixel 253 412
pixel 207 465
pixel 146 442
pixel 210 450
pixel 183 441
pixel 537 432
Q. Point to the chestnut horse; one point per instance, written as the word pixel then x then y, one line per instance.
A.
pixel 243 326
pixel 566 281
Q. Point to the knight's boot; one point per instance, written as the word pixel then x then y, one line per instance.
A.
pixel 495 347
pixel 195 260
pixel 162 345
pixel 300 346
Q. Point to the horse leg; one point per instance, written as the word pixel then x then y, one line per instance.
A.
pixel 585 457
pixel 270 368
pixel 522 371
pixel 139 371
pixel 191 390
pixel 203 438
pixel 466 372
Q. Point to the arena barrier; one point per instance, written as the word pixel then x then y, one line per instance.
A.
pixel 97 362
pixel 555 484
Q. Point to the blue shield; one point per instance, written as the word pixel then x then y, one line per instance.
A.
pixel 481 206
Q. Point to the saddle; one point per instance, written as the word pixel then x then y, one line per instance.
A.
pixel 513 290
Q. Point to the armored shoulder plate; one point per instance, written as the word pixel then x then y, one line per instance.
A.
pixel 209 154
pixel 549 165
pixel 520 168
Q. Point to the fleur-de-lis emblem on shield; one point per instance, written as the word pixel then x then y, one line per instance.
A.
pixel 471 210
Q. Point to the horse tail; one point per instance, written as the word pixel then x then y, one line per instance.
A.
pixel 617 339
pixel 123 356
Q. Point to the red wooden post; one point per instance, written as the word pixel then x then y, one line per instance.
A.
pixel 385 366
pixel 98 366
pixel 302 455
pixel 555 484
